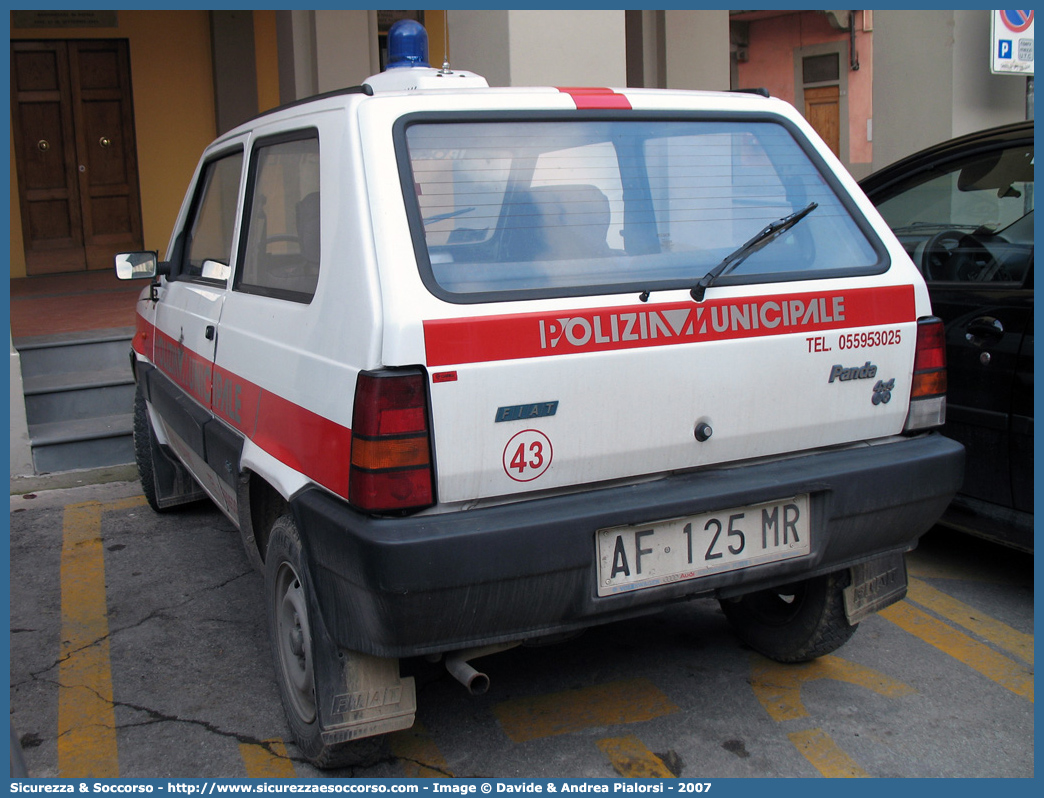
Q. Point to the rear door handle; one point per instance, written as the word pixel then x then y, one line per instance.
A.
pixel 210 332
pixel 985 327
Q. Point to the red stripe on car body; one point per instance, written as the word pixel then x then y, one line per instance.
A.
pixel 513 337
pixel 297 437
pixel 588 98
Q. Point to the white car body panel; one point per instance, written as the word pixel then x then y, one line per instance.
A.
pixel 620 414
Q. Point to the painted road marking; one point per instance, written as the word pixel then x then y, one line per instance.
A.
pixel 628 701
pixel 419 755
pixel 825 755
pixel 979 623
pixel 978 656
pixel 632 760
pixel 778 686
pixel 268 760
pixel 86 716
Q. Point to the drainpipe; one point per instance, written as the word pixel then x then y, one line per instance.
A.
pixel 853 56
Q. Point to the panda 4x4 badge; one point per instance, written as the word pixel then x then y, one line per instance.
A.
pixel 883 391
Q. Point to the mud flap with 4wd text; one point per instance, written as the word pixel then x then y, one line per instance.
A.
pixel 875 585
pixel 169 483
pixel 358 695
pixel 174 484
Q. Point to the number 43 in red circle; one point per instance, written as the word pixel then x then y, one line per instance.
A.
pixel 527 455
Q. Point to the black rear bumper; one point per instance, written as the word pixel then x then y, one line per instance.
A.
pixel 401 587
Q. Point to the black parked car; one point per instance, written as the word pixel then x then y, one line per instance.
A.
pixel 964 211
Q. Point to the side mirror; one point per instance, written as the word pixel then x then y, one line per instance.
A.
pixel 215 270
pixel 139 265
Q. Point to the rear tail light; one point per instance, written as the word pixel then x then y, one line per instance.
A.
pixel 928 390
pixel 391 443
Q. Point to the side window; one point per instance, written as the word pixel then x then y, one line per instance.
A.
pixel 970 221
pixel 208 245
pixel 280 255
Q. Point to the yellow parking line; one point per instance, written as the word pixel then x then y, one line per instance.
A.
pixel 1000 634
pixel 825 755
pixel 86 718
pixel 778 686
pixel 978 656
pixel 629 701
pixel 632 760
pixel 267 761
pixel 418 754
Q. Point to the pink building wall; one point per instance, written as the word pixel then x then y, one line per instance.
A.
pixel 772 44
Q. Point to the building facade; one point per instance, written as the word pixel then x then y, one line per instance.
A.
pixel 172 80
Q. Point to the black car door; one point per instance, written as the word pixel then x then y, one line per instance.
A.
pixel 965 216
pixel 1022 413
pixel 986 327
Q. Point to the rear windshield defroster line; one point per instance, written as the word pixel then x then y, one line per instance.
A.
pixel 514 207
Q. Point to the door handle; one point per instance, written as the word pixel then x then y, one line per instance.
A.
pixel 209 333
pixel 984 327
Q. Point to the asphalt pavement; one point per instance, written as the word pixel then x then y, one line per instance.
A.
pixel 139 650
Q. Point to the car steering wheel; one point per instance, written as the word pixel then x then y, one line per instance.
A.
pixel 952 255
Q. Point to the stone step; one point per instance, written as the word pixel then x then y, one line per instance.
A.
pixel 82 443
pixel 82 352
pixel 79 399
pixel 77 395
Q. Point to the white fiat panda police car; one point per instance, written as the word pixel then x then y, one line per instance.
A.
pixel 473 366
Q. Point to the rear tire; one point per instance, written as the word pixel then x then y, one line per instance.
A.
pixel 290 628
pixel 793 623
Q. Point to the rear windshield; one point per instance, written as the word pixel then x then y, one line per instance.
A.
pixel 507 209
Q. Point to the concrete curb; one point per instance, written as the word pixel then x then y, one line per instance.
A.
pixel 21 485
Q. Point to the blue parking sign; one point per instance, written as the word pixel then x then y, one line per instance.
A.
pixel 1011 42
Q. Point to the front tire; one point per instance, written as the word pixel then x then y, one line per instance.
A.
pixel 290 629
pixel 793 623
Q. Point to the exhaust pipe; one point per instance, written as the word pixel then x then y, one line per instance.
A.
pixel 477 683
pixel 458 667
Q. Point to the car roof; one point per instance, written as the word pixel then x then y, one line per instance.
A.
pixel 476 86
pixel 925 159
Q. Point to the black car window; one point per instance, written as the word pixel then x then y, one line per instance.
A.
pixel 970 220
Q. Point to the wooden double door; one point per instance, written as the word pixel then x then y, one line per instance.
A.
pixel 73 133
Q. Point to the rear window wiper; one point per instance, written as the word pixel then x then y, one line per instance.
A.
pixel 731 261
